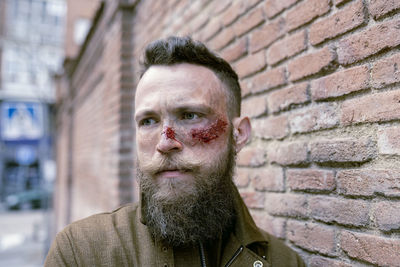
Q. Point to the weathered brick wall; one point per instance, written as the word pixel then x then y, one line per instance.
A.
pixel 320 82
pixel 95 130
pixel 76 10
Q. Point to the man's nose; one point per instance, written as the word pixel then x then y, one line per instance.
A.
pixel 168 142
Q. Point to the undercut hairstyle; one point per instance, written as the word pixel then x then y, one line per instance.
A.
pixel 175 50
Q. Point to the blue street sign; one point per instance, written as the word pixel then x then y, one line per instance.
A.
pixel 21 121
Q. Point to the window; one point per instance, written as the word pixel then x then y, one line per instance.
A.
pixel 81 28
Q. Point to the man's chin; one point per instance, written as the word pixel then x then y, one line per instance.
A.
pixel 174 188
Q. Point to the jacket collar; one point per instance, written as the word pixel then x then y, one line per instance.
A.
pixel 246 230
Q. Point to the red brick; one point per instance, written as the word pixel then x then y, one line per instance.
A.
pixel 273 7
pixel 188 11
pixel 369 182
pixel 287 47
pixel 373 249
pixel 233 12
pixel 248 22
pixel 222 39
pixel 386 215
pixel 310 64
pixel 250 64
pixel 318 261
pixel 293 153
pixel 199 21
pixel 274 226
pixel 253 200
pixel 305 12
pixel 242 177
pixel 340 22
pixel 288 205
pixel 366 43
pixel 252 157
pixel 254 106
pixel 235 51
pixel 372 108
pixel 267 80
pixel 379 8
pixel 342 150
pixel 284 98
pixel 212 28
pixel 272 127
pixel 339 2
pixel 251 3
pixel 340 83
pixel 312 236
pixel 267 34
pixel 268 179
pixel 322 116
pixel 343 211
pixel 310 180
pixel 389 140
pixel 245 85
pixel 386 71
pixel 221 6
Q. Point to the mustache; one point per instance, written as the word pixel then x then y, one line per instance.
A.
pixel 166 163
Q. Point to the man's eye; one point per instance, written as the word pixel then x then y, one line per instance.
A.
pixel 147 122
pixel 189 116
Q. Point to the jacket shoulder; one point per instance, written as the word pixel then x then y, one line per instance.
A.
pixel 279 253
pixel 122 216
pixel 91 241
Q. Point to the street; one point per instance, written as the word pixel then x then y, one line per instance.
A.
pixel 22 238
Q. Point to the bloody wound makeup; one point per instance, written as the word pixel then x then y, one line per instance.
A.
pixel 170 133
pixel 204 135
pixel 209 133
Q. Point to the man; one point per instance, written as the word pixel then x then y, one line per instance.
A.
pixel 188 131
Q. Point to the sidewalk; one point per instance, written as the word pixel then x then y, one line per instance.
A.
pixel 22 235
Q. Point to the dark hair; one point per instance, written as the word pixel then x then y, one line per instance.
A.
pixel 175 50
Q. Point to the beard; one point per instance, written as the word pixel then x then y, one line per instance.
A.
pixel 182 213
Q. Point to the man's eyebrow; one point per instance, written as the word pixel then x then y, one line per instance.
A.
pixel 144 113
pixel 194 107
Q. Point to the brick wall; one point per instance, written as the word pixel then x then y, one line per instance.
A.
pixel 95 130
pixel 320 81
pixel 77 10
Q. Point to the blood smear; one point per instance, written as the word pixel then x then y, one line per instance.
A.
pixel 170 133
pixel 209 133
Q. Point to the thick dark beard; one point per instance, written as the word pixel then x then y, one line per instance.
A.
pixel 199 215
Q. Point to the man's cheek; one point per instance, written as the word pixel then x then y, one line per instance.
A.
pixel 194 135
pixel 211 132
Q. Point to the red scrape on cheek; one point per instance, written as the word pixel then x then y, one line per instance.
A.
pixel 169 133
pixel 209 133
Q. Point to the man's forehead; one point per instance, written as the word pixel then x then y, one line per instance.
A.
pixel 182 72
pixel 196 80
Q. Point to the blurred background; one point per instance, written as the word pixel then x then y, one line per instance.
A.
pixel 33 45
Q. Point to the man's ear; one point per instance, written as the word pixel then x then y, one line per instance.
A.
pixel 241 132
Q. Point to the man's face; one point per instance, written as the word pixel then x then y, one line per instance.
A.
pixel 182 126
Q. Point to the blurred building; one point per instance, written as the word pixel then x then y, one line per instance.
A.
pixel 31 52
pixel 94 108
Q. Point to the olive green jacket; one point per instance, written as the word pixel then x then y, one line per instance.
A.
pixel 120 238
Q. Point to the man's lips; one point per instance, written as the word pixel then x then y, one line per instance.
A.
pixel 171 173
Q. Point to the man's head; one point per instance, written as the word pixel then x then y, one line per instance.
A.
pixel 175 50
pixel 188 132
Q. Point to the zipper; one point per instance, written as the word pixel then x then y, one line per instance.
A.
pixel 234 256
pixel 202 256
